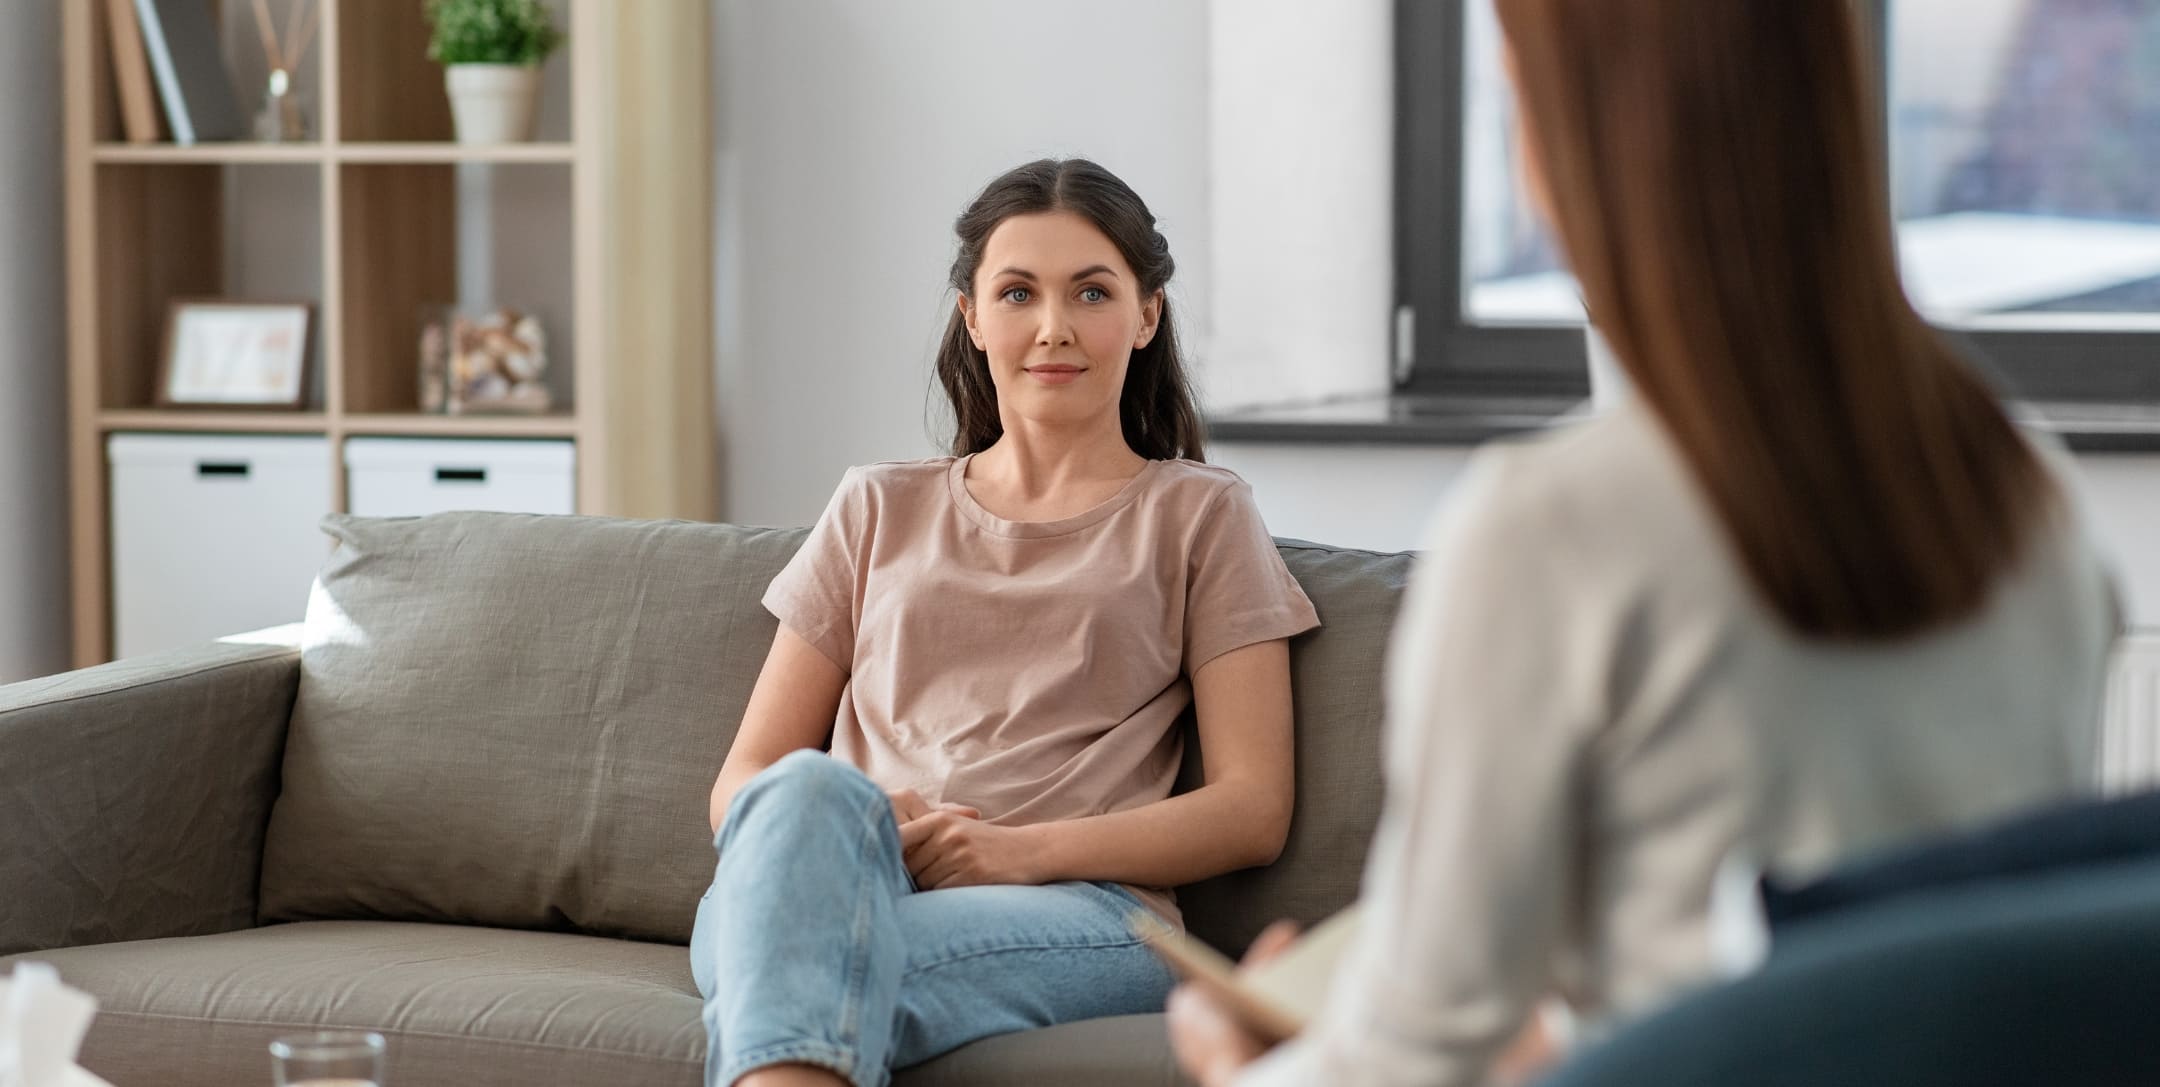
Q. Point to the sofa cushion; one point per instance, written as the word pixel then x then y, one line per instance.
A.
pixel 516 720
pixel 1120 1051
pixel 1336 683
pixel 476 1007
pixel 459 1006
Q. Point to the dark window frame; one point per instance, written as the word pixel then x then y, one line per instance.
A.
pixel 1449 357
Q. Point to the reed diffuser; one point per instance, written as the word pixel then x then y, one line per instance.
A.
pixel 282 119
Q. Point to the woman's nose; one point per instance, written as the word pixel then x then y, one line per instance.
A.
pixel 1055 330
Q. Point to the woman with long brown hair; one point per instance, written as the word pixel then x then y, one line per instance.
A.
pixel 1809 591
pixel 952 784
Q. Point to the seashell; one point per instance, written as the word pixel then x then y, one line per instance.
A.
pixel 522 365
pixel 487 387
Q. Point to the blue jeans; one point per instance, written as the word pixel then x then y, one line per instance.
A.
pixel 813 946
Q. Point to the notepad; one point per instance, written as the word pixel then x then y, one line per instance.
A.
pixel 1274 999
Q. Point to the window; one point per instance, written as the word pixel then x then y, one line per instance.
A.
pixel 1512 269
pixel 1441 346
pixel 2025 176
pixel 2025 166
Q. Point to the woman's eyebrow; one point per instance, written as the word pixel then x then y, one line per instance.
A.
pixel 1090 270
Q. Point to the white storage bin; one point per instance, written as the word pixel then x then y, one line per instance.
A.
pixel 410 477
pixel 212 534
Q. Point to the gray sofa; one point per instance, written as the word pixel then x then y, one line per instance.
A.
pixel 464 804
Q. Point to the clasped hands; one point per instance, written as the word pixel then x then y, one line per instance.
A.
pixel 949 845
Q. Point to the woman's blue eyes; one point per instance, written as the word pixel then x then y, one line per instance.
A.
pixel 1018 295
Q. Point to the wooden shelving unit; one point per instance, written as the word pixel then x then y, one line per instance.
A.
pixel 148 223
pixel 312 153
pixel 214 422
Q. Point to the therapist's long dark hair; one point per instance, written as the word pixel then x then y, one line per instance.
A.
pixel 1714 174
pixel 1156 407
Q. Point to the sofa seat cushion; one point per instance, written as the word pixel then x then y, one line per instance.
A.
pixel 458 1005
pixel 1123 1051
pixel 476 1007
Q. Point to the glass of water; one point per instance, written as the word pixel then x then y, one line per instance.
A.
pixel 328 1059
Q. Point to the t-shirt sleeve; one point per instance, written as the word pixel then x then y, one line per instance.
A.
pixel 818 595
pixel 1237 590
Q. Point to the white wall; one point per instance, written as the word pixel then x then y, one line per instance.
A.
pixel 33 362
pixel 2122 493
pixel 850 136
pixel 1371 496
pixel 1301 101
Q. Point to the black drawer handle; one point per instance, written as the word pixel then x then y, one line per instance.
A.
pixel 236 469
pixel 461 475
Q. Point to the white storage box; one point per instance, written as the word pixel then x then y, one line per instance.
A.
pixel 410 477
pixel 212 534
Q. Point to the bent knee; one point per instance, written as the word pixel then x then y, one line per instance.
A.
pixel 812 777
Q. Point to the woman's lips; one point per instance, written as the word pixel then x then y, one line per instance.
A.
pixel 1056 375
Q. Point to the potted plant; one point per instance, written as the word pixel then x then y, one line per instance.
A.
pixel 492 51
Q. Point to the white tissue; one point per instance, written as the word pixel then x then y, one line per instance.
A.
pixel 41 1025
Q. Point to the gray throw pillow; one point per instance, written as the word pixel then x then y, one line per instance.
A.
pixel 515 720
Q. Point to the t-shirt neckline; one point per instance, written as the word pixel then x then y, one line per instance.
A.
pixel 956 483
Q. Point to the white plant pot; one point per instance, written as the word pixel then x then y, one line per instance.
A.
pixel 492 103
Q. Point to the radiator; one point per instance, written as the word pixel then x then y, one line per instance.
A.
pixel 2130 722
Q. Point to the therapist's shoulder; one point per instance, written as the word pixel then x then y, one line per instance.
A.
pixel 1596 478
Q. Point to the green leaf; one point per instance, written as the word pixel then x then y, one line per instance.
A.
pixel 491 31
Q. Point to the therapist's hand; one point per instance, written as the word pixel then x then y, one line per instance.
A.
pixel 1212 1047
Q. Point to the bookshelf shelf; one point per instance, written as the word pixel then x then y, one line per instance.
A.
pixel 411 152
pixel 374 222
pixel 464 426
pixel 230 422
pixel 416 152
pixel 151 154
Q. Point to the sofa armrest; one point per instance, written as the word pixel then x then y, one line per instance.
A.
pixel 134 795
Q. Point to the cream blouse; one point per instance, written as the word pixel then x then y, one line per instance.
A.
pixel 1590 712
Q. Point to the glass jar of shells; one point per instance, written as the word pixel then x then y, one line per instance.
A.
pixel 487 361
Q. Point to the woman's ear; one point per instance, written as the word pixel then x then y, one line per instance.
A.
pixel 967 317
pixel 1150 317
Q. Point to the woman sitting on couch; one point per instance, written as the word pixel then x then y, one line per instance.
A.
pixel 1006 639
pixel 1807 593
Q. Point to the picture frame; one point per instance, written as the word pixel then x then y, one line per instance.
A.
pixel 235 353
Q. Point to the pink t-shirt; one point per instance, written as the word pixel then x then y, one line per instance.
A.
pixel 1033 670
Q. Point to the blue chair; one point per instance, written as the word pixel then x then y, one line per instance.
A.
pixel 2047 977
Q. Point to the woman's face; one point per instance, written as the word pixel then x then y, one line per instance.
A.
pixel 1059 313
